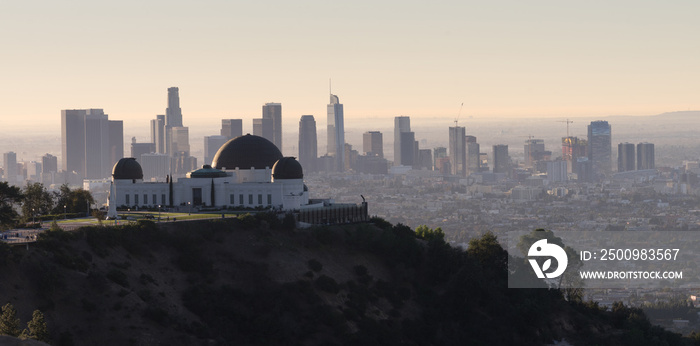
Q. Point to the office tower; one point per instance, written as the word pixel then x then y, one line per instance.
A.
pixel 557 171
pixel 231 128
pixel 571 149
pixel 350 157
pixel 534 150
pixel 155 166
pixel 49 164
pixel 438 153
pixel 425 159
pixel 138 149
pixel 273 111
pixel 373 143
pixel 600 147
pixel 90 143
pixel 645 156
pixel 625 157
pixel 263 127
pixel 180 140
pixel 584 169
pixel 173 114
pixel 211 146
pixel 336 132
pixel 34 170
pixel 473 153
pixel 401 124
pixel 158 133
pixel 501 160
pixel 10 168
pixel 407 150
pixel 458 151
pixel 308 145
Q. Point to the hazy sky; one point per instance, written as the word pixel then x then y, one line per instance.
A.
pixel 417 58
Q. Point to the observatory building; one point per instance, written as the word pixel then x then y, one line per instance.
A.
pixel 247 171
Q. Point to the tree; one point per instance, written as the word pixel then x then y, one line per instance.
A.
pixel 9 197
pixel 37 201
pixel 9 322
pixel 75 201
pixel 36 328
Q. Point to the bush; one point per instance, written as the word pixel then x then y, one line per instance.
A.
pixel 327 284
pixel 315 265
pixel 118 277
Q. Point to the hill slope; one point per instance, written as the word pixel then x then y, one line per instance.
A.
pixel 251 281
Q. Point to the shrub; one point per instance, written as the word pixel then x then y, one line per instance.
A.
pixel 315 265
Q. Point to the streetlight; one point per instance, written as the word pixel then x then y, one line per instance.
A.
pixel 64 212
pixel 33 213
pixel 189 204
pixel 158 212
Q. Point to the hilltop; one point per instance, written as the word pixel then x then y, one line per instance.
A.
pixel 251 280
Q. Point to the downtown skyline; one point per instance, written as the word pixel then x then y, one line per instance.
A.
pixel 502 60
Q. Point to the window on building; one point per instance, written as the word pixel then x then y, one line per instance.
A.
pixel 136 199
pixel 250 199
pixel 269 199
pixel 197 196
pixel 162 199
pixel 155 198
pixel 259 199
pixel 240 199
pixel 233 199
pixel 127 199
pixel 145 199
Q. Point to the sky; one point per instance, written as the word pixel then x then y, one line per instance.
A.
pixel 501 58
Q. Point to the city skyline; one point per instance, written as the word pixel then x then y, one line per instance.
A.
pixel 502 60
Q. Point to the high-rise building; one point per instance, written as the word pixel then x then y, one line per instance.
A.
pixel 501 160
pixel 557 171
pixel 34 170
pixel 458 150
pixel 49 164
pixel 473 155
pixel 401 124
pixel 263 127
pixel 425 159
pixel 155 166
pixel 438 153
pixel 158 133
pixel 273 111
pixel 308 145
pixel 408 146
pixel 173 114
pixel 534 150
pixel 571 149
pixel 91 143
pixel 138 149
pixel 645 156
pixel 211 146
pixel 625 157
pixel 373 143
pixel 600 147
pixel 336 132
pixel 231 128
pixel 180 140
pixel 10 169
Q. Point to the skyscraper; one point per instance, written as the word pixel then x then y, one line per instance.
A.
pixel 9 165
pixel 645 156
pixel 308 145
pixel 49 164
pixel 401 124
pixel 408 148
pixel 211 146
pixel 138 149
pixel 501 160
pixel 180 137
pixel 625 157
pixel 473 155
pixel 438 153
pixel 600 147
pixel 263 127
pixel 534 148
pixel 158 133
pixel 373 143
pixel 273 111
pixel 91 143
pixel 571 149
pixel 458 150
pixel 336 132
pixel 231 128
pixel 173 114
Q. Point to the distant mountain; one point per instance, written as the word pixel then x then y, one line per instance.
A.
pixel 680 114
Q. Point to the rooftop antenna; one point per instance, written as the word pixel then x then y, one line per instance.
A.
pixel 567 121
pixel 459 113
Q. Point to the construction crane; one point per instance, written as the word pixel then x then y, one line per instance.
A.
pixel 459 113
pixel 567 121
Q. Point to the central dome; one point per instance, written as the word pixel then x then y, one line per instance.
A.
pixel 246 152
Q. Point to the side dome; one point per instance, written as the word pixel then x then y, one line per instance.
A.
pixel 287 168
pixel 127 168
pixel 206 172
pixel 246 152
